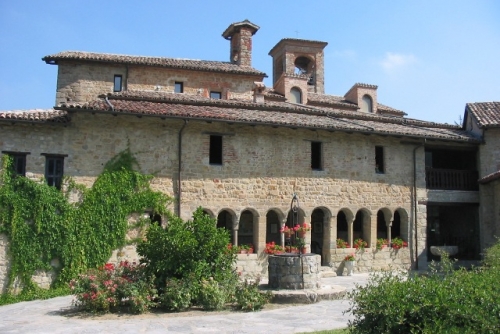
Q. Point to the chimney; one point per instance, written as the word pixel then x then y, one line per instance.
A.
pixel 258 92
pixel 240 34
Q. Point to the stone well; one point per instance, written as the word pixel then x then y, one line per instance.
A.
pixel 294 271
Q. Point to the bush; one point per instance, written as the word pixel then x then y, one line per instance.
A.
pixel 249 298
pixel 195 251
pixel 107 288
pixel 446 301
pixel 177 295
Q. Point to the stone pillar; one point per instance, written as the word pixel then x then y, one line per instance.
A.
pixel 259 235
pixel 328 242
pixel 350 232
pixel 235 237
pixel 389 236
pixel 373 231
pixel 282 235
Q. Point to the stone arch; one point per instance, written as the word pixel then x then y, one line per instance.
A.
pixel 226 219
pixel 247 227
pixel 303 65
pixel 384 218
pixel 362 226
pixel 320 233
pixel 400 222
pixel 344 219
pixel 274 219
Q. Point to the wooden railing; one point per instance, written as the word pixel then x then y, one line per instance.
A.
pixel 451 179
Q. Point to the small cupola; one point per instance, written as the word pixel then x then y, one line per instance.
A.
pixel 365 96
pixel 240 34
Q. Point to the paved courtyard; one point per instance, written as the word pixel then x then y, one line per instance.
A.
pixel 55 316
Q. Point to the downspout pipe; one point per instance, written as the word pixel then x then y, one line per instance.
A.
pixel 415 201
pixel 179 155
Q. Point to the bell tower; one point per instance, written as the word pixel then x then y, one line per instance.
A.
pixel 298 68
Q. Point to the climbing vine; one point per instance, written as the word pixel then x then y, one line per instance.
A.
pixel 42 224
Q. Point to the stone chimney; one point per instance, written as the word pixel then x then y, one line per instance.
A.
pixel 240 34
pixel 258 92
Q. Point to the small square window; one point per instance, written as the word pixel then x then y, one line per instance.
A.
pixel 117 87
pixel 379 160
pixel 216 95
pixel 215 150
pixel 179 87
pixel 316 156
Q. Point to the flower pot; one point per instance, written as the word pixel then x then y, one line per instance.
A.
pixel 349 266
pixel 302 234
pixel 303 250
pixel 243 251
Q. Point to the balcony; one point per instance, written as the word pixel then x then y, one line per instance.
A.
pixel 451 179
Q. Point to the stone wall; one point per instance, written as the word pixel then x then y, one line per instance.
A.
pixel 82 82
pixel 371 259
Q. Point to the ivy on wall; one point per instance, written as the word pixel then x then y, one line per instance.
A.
pixel 42 224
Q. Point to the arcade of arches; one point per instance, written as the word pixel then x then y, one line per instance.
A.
pixel 347 224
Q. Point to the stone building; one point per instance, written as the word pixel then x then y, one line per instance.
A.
pixel 214 136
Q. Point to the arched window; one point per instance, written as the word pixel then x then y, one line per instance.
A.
pixel 295 95
pixel 367 104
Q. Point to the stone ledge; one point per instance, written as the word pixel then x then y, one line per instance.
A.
pixel 308 296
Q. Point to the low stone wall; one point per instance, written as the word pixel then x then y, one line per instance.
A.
pixel 294 272
pixel 251 266
pixel 369 259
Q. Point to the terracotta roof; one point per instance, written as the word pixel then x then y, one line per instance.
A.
pixel 330 100
pixel 35 116
pixel 490 177
pixel 487 114
pixel 187 64
pixel 168 105
pixel 300 41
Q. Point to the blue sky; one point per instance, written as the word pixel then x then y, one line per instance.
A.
pixel 428 58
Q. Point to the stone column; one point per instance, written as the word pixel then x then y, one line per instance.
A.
pixel 282 235
pixel 329 240
pixel 389 236
pixel 235 237
pixel 259 236
pixel 350 232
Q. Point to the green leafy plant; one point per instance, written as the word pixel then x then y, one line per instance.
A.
pixel 398 243
pixel 342 244
pixel 177 295
pixel 381 242
pixel 249 298
pixel 350 257
pixel 443 301
pixel 42 225
pixel 107 288
pixel 195 249
pixel 360 244
pixel 272 248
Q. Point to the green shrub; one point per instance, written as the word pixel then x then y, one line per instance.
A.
pixel 212 295
pixel 105 289
pixel 249 298
pixel 177 295
pixel 446 301
pixel 195 250
pixel 492 256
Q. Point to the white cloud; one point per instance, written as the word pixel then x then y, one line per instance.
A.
pixel 394 61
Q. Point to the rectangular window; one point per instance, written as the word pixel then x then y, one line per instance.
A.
pixel 215 150
pixel 117 87
pixel 178 87
pixel 54 170
pixel 18 162
pixel 316 156
pixel 216 95
pixel 379 160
